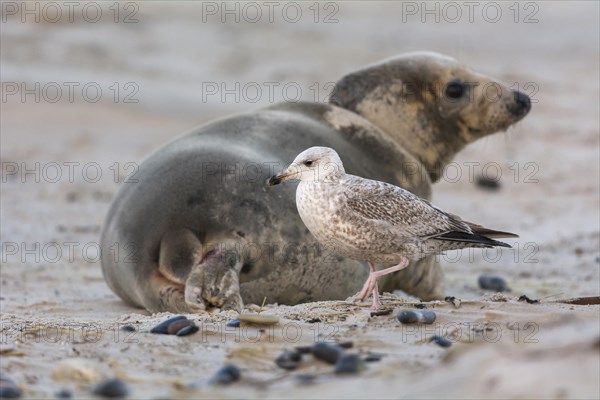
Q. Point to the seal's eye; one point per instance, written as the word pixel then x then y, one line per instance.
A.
pixel 455 90
pixel 308 163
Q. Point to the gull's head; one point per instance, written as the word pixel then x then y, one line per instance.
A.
pixel 317 164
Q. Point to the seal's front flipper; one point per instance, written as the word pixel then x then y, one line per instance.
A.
pixel 215 280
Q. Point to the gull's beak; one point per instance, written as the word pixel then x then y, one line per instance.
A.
pixel 289 173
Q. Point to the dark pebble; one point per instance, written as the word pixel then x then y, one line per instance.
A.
pixel 411 317
pixel 305 378
pixel 164 326
pixel 304 349
pixel 64 394
pixel 313 320
pixel 289 360
pixel 128 328
pixel 327 352
pixel 346 345
pixel 188 330
pixel 490 282
pixel 234 323
pixel 8 388
pixel 111 388
pixel 349 364
pixel 372 358
pixel 420 306
pixel 226 375
pixel 486 183
pixel 178 325
pixel 440 341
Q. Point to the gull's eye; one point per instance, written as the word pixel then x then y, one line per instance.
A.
pixel 455 90
pixel 308 163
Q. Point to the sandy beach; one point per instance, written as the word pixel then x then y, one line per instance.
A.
pixel 163 68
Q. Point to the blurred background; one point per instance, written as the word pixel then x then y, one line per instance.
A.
pixel 89 89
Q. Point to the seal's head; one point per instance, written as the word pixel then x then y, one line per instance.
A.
pixel 314 164
pixel 430 104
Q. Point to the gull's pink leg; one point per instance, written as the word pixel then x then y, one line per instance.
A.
pixel 400 266
pixel 376 300
pixel 367 287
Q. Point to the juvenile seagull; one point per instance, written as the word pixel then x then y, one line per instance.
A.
pixel 375 221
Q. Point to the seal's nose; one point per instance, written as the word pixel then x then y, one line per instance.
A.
pixel 522 104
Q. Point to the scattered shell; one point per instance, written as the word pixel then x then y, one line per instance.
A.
pixel 76 369
pixel 8 388
pixel 327 352
pixel 440 341
pixel 454 301
pixel 234 323
pixel 289 360
pixel 178 325
pixel 381 312
pixel 261 319
pixel 349 364
pixel 163 327
pixel 226 375
pixel 111 388
pixel 128 328
pixel 188 330
pixel 528 300
pixel 490 282
pixel 411 317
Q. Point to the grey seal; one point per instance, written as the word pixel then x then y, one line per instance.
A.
pixel 198 228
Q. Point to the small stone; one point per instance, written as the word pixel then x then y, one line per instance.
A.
pixel 440 341
pixel 8 388
pixel 163 327
pixel 349 364
pixel 412 317
pixel 176 326
pixel 226 375
pixel 304 349
pixel 487 183
pixel 346 345
pixel 289 360
pixel 111 388
pixel 128 328
pixel 490 282
pixel 372 358
pixel 305 378
pixel 260 319
pixel 327 352
pixel 64 394
pixel 188 330
pixel 234 323
pixel 313 320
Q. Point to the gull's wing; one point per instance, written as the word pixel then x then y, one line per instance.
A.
pixel 396 209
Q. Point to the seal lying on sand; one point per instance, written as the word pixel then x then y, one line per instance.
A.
pixel 201 229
